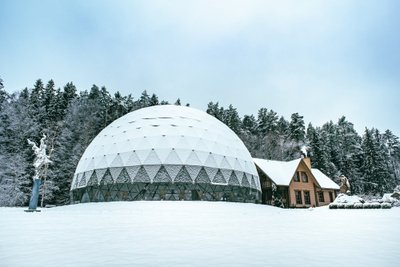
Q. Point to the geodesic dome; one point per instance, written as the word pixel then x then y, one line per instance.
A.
pixel 166 152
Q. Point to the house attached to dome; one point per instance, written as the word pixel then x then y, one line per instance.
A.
pixel 294 183
pixel 166 153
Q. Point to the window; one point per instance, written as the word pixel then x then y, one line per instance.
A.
pixel 296 177
pixel 298 197
pixel 304 177
pixel 331 196
pixel 307 199
pixel 321 196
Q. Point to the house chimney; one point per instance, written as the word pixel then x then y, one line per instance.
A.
pixel 307 161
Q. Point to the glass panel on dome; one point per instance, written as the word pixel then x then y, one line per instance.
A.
pixel 107 178
pixel 162 176
pixel 82 182
pixel 183 176
pixel 245 181
pixel 93 179
pixel 123 177
pixel 142 176
pixel 219 178
pixel 203 177
pixel 233 180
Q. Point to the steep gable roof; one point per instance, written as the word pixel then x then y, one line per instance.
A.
pixel 280 172
pixel 323 180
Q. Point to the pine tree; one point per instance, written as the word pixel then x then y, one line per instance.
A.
pixel 231 119
pixel 144 100
pixel 249 124
pixel 215 110
pixel 154 100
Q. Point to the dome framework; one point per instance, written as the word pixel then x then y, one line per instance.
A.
pixel 166 153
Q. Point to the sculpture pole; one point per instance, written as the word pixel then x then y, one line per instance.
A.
pixel 33 202
pixel 40 162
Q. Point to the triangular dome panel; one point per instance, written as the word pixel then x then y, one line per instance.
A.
pixel 132 171
pixel 219 178
pixel 233 180
pixel 225 164
pixel 162 176
pixel 115 172
pixel 133 159
pixel 107 178
pixel 245 181
pixel 202 177
pixel 93 179
pixel 253 183
pixel 152 170
pixel 117 161
pixel 152 159
pixel 211 162
pixel 226 173
pixel 193 159
pixel 100 173
pixel 183 176
pixel 123 177
pixel 173 170
pixel 211 172
pixel 237 166
pixel 142 176
pixel 193 171
pixel 142 154
pixel 102 163
pixel 183 154
pixel 82 181
pixel 173 158
pixel 202 155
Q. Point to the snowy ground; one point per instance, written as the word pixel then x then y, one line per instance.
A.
pixel 198 234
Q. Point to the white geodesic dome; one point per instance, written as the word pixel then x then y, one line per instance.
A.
pixel 153 144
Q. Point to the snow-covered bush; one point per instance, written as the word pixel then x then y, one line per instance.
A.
pixel 386 205
pixel 333 206
pixel 372 205
pixel 358 205
pixel 367 205
pixel 343 198
pixel 349 205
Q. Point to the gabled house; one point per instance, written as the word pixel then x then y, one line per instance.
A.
pixel 295 183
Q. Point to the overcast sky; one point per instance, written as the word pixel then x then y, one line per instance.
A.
pixel 323 59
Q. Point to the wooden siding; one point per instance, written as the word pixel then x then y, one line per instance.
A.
pixel 302 186
pixel 327 199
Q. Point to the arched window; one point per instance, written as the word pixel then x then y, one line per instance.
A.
pixel 304 177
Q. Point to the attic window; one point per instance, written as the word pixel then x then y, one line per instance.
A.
pixel 296 177
pixel 304 177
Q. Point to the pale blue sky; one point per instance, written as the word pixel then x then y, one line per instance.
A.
pixel 323 59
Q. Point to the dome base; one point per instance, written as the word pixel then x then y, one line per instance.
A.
pixel 164 191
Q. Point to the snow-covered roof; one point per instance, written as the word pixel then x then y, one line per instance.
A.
pixel 323 180
pixel 169 136
pixel 281 172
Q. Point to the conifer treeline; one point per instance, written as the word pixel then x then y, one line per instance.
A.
pixel 71 120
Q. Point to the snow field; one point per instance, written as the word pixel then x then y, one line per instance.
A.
pixel 184 233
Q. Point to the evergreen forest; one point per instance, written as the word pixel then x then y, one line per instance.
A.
pixel 71 119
